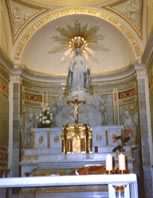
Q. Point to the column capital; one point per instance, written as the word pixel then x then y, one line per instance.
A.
pixel 141 70
pixel 16 76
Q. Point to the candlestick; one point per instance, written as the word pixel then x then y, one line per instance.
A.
pixel 120 191
pixel 121 161
pixel 109 163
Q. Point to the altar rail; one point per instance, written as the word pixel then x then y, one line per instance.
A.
pixel 114 182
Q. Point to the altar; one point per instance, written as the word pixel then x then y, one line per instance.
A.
pixel 50 138
pixel 80 138
pixel 46 152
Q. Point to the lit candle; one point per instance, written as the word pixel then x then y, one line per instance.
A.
pixel 121 161
pixel 109 162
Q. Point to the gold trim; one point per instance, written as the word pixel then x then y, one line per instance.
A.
pixel 61 3
pixel 38 11
pixel 25 3
pixel 49 16
pixel 135 27
pixel 29 20
pixel 40 76
pixel 10 18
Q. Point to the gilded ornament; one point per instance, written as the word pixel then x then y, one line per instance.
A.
pixel 77 36
pixel 49 16
pixel 131 11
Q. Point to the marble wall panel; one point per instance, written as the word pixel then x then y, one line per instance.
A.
pixel 150 73
pixel 128 109
pixel 4 119
pixel 32 97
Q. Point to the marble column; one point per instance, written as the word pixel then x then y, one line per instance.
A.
pixel 145 128
pixel 14 123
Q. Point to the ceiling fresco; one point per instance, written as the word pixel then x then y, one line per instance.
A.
pixel 22 11
pixel 132 11
pixel 108 55
pixel 122 33
pixel 20 15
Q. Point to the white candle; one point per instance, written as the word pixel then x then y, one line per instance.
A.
pixel 109 162
pixel 121 161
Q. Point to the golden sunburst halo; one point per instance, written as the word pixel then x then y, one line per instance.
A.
pixel 77 42
pixel 76 36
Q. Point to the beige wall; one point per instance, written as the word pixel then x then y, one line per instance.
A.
pixel 5 32
pixel 150 73
pixel 4 118
pixel 149 16
pixel 4 108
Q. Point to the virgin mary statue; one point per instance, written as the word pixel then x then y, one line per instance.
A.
pixel 78 87
pixel 78 74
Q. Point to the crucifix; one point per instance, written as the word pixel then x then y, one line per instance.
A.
pixel 76 102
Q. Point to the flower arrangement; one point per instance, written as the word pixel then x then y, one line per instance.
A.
pixel 45 118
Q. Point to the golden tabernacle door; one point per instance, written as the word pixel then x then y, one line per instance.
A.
pixel 76 145
pixel 76 138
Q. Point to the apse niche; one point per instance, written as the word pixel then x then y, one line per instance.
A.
pixel 112 51
pixel 83 118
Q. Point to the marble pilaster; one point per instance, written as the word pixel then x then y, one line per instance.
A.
pixel 14 123
pixel 116 106
pixel 145 128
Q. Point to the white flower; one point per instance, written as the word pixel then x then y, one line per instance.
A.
pixel 44 117
pixel 47 121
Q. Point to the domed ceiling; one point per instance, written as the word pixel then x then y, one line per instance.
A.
pixel 45 53
pixel 47 3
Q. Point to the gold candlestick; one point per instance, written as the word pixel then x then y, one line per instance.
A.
pixel 120 190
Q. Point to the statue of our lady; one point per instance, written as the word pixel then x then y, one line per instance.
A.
pixel 78 92
pixel 78 74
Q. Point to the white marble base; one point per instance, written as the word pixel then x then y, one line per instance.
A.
pixel 46 149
